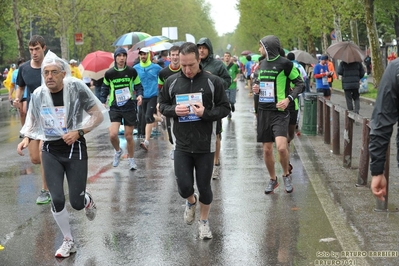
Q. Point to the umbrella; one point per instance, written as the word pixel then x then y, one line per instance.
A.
pixel 346 51
pixel 132 55
pixel 246 52
pixel 130 38
pixel 95 64
pixel 304 57
pixel 150 41
pixel 160 47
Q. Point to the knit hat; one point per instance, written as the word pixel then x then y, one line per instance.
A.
pixel 120 50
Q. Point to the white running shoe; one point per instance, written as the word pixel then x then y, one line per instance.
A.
pixel 204 230
pixel 189 212
pixel 117 158
pixel 67 247
pixel 91 209
pixel 132 164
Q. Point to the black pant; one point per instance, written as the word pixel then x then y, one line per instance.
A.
pixel 55 167
pixel 185 164
pixel 352 95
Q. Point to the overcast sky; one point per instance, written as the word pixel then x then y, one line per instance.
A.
pixel 224 15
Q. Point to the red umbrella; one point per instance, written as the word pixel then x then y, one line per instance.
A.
pixel 95 64
pixel 246 52
pixel 132 55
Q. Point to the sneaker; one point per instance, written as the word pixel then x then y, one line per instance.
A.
pixel 67 247
pixel 288 184
pixel 273 184
pixel 144 144
pixel 204 230
pixel 117 158
pixel 189 212
pixel 132 164
pixel 216 173
pixel 44 197
pixel 91 209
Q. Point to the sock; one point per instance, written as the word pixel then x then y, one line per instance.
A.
pixel 62 219
pixel 120 151
pixel 204 221
pixel 87 200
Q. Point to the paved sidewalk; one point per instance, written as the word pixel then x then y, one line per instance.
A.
pixel 357 225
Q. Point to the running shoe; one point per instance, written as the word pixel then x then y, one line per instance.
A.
pixel 117 158
pixel 288 184
pixel 67 247
pixel 273 184
pixel 91 209
pixel 132 164
pixel 204 230
pixel 44 197
pixel 144 145
pixel 189 212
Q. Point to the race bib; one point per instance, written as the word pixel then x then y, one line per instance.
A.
pixel 52 122
pixel 188 99
pixel 325 80
pixel 266 92
pixel 122 96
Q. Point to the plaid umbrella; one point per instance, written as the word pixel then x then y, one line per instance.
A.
pixel 130 38
pixel 150 41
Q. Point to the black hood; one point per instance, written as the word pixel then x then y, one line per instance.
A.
pixel 272 46
pixel 207 43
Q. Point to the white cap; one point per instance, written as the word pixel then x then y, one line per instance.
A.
pixel 73 61
pixel 145 50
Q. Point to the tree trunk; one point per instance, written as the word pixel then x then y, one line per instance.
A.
pixel 337 27
pixel 372 33
pixel 396 26
pixel 354 31
pixel 20 40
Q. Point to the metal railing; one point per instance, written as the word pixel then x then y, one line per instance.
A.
pixel 328 115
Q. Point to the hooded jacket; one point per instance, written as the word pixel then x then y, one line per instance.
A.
pixel 197 136
pixel 117 79
pixel 277 73
pixel 216 67
pixel 148 73
pixel 385 116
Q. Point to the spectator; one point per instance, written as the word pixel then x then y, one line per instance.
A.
pixel 351 74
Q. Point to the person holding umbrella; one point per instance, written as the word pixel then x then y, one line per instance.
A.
pixel 321 74
pixel 351 74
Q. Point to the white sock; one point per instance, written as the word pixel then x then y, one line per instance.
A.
pixel 62 219
pixel 87 200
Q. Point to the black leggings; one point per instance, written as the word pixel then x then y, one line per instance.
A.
pixel 76 173
pixel 185 163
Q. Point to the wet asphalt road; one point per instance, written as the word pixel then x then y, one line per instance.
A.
pixel 140 213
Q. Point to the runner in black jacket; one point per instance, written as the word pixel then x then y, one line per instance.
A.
pixel 194 133
pixel 385 115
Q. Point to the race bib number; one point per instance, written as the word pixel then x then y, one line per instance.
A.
pixel 325 80
pixel 53 120
pixel 122 96
pixel 266 92
pixel 187 99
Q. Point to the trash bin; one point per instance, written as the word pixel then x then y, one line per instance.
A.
pixel 309 121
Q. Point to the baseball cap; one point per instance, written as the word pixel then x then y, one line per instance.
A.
pixel 324 57
pixel 73 61
pixel 144 50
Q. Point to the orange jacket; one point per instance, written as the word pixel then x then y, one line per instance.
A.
pixel 331 69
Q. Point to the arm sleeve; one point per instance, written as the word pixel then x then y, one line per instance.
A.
pixel 385 115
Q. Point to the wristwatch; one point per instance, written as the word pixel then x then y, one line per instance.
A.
pixel 81 132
